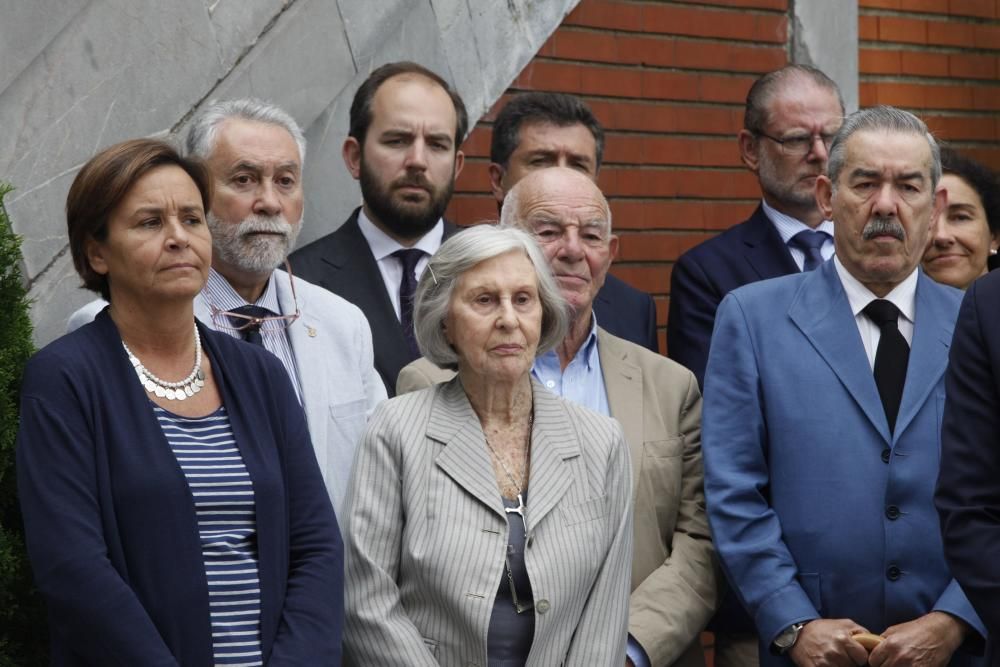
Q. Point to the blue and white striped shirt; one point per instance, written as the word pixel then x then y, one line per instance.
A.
pixel 227 526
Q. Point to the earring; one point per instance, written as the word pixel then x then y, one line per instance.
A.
pixel 993 251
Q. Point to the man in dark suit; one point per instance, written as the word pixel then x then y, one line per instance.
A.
pixel 821 431
pixel 790 117
pixel 537 130
pixel 968 492
pixel 406 126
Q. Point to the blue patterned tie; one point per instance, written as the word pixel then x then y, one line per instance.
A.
pixel 810 242
pixel 407 287
pixel 251 333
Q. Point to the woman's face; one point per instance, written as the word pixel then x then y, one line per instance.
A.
pixel 495 318
pixel 158 245
pixel 958 251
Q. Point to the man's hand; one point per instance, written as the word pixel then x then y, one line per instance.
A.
pixel 927 641
pixel 826 642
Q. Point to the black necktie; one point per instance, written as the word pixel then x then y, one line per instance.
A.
pixel 251 333
pixel 407 287
pixel 891 357
pixel 810 243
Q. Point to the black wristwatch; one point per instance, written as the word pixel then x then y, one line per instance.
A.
pixel 786 640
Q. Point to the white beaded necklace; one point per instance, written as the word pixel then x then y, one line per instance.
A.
pixel 172 391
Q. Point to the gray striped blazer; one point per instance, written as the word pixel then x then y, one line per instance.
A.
pixel 426 535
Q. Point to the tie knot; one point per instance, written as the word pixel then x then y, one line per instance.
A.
pixel 883 313
pixel 808 239
pixel 409 258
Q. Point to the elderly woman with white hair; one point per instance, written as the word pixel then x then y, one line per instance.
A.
pixel 489 521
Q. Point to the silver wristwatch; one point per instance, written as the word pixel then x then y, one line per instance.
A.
pixel 786 640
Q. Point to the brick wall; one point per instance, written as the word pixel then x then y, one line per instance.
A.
pixel 667 80
pixel 939 59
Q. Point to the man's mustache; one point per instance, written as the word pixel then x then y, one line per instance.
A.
pixel 883 226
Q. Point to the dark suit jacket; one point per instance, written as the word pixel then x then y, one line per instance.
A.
pixel 343 263
pixel 110 523
pixel 968 492
pixel 626 312
pixel 750 251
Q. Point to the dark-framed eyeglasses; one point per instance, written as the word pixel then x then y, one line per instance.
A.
pixel 799 145
pixel 227 320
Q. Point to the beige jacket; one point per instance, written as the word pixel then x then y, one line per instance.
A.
pixel 657 402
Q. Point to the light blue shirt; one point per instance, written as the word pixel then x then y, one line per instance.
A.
pixel 582 382
pixel 788 227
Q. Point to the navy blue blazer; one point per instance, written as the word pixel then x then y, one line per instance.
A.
pixel 750 251
pixel 110 522
pixel 343 263
pixel 968 492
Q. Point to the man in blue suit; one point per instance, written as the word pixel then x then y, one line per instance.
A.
pixel 821 428
pixel 537 130
pixel 790 117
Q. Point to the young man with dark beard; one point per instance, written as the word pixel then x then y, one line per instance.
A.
pixel 406 124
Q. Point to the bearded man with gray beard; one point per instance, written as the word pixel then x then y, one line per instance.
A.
pixel 255 153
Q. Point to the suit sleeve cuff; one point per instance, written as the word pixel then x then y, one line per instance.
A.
pixel 636 653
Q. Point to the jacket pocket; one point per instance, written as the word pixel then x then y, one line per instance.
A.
pixel 588 510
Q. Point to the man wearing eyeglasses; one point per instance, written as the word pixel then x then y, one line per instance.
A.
pixel 790 118
pixel 255 152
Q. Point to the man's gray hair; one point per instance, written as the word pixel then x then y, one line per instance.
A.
pixel 454 258
pixel 880 119
pixel 204 128
pixel 510 209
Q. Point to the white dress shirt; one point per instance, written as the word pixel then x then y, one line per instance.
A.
pixel 903 296
pixel 382 246
pixel 788 227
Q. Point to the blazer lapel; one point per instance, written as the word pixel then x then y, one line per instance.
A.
pixel 623 383
pixel 823 314
pixel 464 456
pixel 932 330
pixel 554 441
pixel 766 252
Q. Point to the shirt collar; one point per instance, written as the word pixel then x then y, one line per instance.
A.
pixel 220 293
pixel 587 353
pixel 382 245
pixel 903 295
pixel 788 226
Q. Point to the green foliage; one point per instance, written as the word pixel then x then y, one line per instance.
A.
pixel 23 635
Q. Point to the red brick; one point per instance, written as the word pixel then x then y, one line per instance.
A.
pixel 987 37
pixel 879 61
pixel 610 15
pixel 899 29
pixel 663 85
pixel 724 89
pixel 663 51
pixel 584 45
pixel 988 156
pixel 979 8
pixel 654 116
pixel 661 150
pixel 677 182
pixel 867 94
pixel 879 4
pixel 868 28
pixel 981 128
pixel 972 66
pixel 985 98
pixel 924 64
pixel 679 213
pixel 477 144
pixel 927 6
pixel 656 246
pixel 652 278
pixel 780 5
pixel 951 34
pixel 466 209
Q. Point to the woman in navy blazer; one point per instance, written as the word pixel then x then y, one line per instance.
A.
pixel 117 546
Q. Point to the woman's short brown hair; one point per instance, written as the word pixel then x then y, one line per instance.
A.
pixel 104 182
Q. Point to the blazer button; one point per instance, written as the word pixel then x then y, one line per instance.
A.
pixel 892 512
pixel 886 453
pixel 893 573
pixel 542 606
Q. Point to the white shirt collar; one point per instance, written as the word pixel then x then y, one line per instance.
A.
pixel 788 226
pixel 903 295
pixel 382 245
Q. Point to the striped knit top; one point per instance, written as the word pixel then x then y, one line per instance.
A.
pixel 224 505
